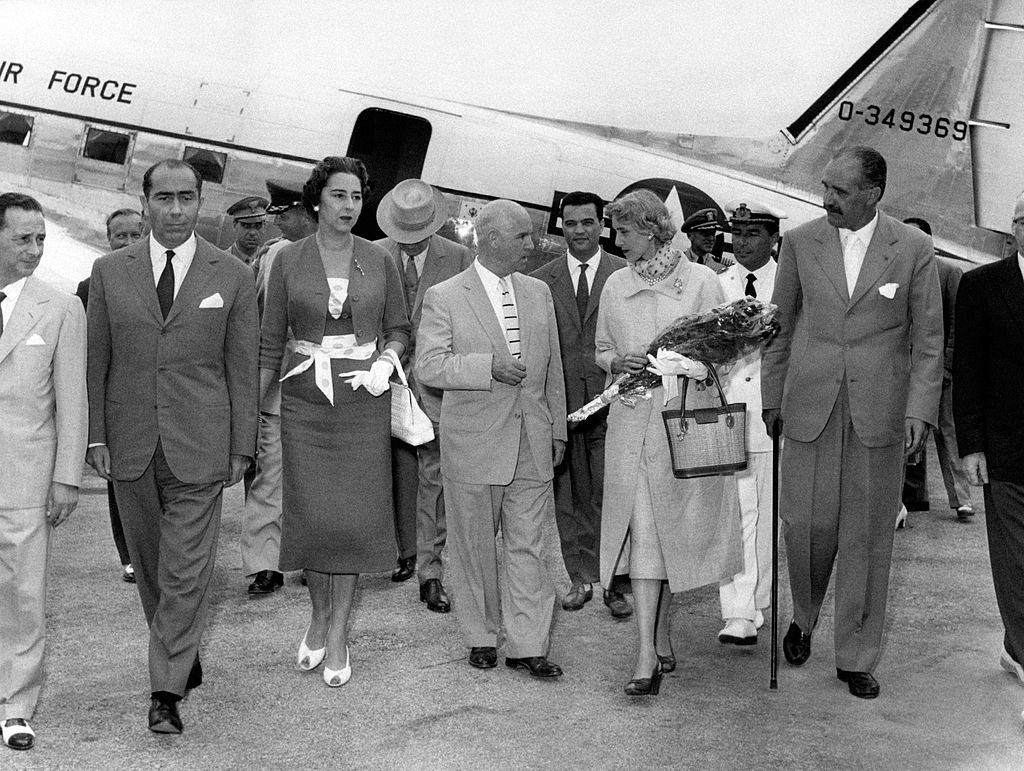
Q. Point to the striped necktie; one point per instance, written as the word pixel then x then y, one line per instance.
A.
pixel 510 320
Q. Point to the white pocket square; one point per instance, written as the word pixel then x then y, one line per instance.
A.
pixel 35 340
pixel 888 290
pixel 213 301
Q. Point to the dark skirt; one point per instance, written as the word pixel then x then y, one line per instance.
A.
pixel 338 515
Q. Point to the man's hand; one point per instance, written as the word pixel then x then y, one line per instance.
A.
pixel 507 370
pixel 99 458
pixel 557 452
pixel 60 502
pixel 630 363
pixel 772 421
pixel 976 468
pixel 915 431
pixel 239 465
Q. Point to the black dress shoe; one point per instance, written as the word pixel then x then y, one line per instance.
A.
pixel 404 571
pixel 646 686
pixel 163 715
pixel 195 675
pixel 538 666
pixel 578 596
pixel 483 657
pixel 863 685
pixel 796 646
pixel 617 604
pixel 18 734
pixel 266 582
pixel 432 593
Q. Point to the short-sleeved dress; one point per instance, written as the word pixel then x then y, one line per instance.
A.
pixel 337 500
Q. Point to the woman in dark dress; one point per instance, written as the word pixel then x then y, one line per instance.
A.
pixel 341 297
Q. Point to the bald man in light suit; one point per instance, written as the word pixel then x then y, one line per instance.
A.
pixel 502 432
pixel 43 429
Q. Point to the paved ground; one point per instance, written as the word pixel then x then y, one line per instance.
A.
pixel 414 702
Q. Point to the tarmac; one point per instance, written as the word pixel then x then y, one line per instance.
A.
pixel 414 702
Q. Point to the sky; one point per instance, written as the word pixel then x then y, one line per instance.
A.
pixel 718 67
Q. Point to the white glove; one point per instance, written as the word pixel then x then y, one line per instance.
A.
pixel 670 363
pixel 376 380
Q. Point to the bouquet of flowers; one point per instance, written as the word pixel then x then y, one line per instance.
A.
pixel 718 336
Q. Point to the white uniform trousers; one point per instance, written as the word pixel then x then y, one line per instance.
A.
pixel 261 520
pixel 750 590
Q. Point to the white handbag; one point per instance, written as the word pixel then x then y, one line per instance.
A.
pixel 408 420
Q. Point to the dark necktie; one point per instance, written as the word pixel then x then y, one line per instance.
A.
pixel 412 281
pixel 582 292
pixel 165 286
pixel 2 298
pixel 750 291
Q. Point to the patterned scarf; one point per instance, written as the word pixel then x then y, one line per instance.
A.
pixel 654 269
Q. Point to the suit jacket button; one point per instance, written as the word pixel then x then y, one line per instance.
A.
pixel 355 297
pixel 748 378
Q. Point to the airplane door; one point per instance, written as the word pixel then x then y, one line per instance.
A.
pixel 393 146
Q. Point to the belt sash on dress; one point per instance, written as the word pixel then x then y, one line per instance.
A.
pixel 320 355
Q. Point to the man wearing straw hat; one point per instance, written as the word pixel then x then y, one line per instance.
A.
pixel 410 215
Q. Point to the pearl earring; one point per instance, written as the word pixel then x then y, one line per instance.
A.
pixel 316 208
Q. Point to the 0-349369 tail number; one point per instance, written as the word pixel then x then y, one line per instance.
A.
pixel 907 120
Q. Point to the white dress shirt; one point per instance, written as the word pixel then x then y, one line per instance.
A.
pixel 1020 263
pixel 12 292
pixel 420 260
pixel 490 281
pixel 574 269
pixel 181 260
pixel 855 246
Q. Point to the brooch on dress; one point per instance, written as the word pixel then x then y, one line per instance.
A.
pixel 678 285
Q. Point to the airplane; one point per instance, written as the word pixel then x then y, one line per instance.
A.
pixel 935 93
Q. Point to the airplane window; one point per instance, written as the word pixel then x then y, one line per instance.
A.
pixel 209 164
pixel 15 129
pixel 106 146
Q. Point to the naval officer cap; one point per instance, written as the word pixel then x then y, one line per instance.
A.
pixel 747 211
pixel 704 220
pixel 284 194
pixel 252 208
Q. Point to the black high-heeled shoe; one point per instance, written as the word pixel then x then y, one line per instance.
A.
pixel 645 686
pixel 668 663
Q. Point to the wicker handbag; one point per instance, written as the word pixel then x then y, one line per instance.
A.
pixel 707 441
pixel 408 420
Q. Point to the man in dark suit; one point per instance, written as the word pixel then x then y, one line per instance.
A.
pixel 411 214
pixel 173 339
pixel 576 281
pixel 124 227
pixel 853 382
pixel 988 409
pixel 489 340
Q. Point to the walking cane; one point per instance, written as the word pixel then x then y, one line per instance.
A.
pixel 773 683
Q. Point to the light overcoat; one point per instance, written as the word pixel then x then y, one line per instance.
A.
pixel 699 534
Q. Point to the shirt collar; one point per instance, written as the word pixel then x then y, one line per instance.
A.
pixel 12 292
pixel 863 234
pixel 185 251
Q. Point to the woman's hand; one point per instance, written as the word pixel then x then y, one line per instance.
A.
pixel 630 363
pixel 669 363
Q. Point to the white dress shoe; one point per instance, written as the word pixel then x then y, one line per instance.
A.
pixel 18 734
pixel 337 677
pixel 738 631
pixel 310 659
pixel 1007 662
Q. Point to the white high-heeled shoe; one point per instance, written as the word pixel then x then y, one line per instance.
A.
pixel 901 517
pixel 310 659
pixel 338 677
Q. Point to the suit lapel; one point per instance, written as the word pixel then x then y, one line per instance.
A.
pixel 1011 287
pixel 481 306
pixel 26 313
pixel 198 276
pixel 604 269
pixel 140 271
pixel 563 291
pixel 433 266
pixel 877 257
pixel 831 258
pixel 526 312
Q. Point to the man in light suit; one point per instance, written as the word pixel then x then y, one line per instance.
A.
pixel 173 339
pixel 489 340
pixel 745 596
pixel 853 382
pixel 575 281
pixel 411 214
pixel 988 409
pixel 43 429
